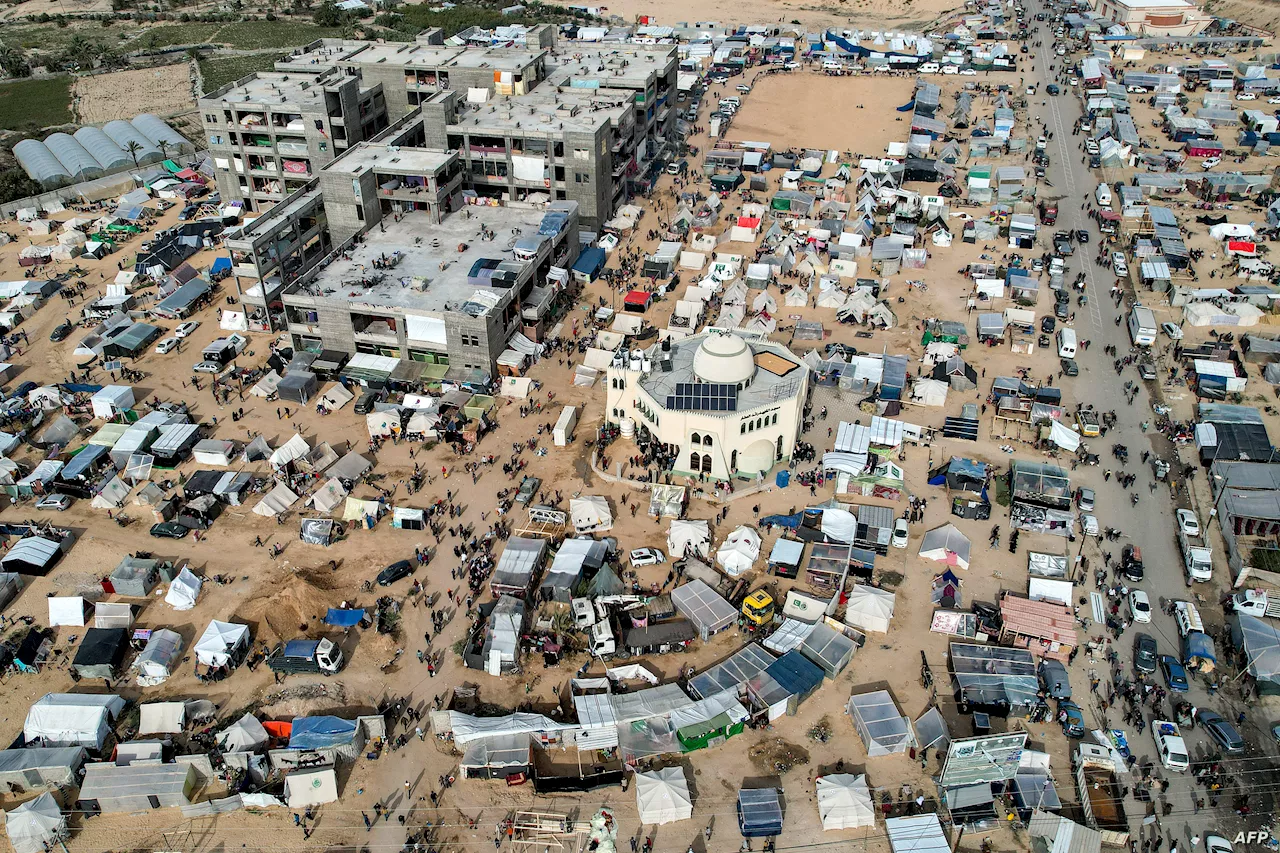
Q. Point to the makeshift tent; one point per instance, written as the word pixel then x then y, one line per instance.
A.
pixel 321 732
pixel 222 643
pixel 35 826
pixel 71 719
pixel 687 538
pixel 830 649
pixel 311 787
pixel 34 555
pixel 1259 639
pixel 328 496
pixel 155 664
pixel 276 501
pixel 183 590
pixel 161 717
pixel 10 586
pixel 844 801
pixel 760 812
pixel 739 551
pixel 946 544
pixel 40 767
pixel 66 610
pixel 883 729
pixel 497 756
pixel 919 834
pixel 137 787
pixel 244 735
pixel 662 796
pixel 135 577
pixel 101 652
pixel 590 514
pixel 214 451
pixel 335 397
pixel 294 448
pixel 869 608
pixel 704 607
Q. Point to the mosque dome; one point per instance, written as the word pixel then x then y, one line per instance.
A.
pixel 724 359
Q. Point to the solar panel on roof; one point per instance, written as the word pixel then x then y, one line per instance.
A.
pixel 703 397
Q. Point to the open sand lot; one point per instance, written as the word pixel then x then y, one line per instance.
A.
pixel 873 14
pixel 122 94
pixel 805 109
pixel 31 8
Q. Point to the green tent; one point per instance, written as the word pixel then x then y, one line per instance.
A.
pixel 713 732
pixel 171 167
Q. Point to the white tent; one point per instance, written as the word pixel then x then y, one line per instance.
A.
pixel 155 664
pixel 71 719
pixel 112 614
pixel 161 718
pixel 244 735
pixel 183 591
pixel 328 496
pixel 276 501
pixel 929 392
pixel 590 514
pixel 294 448
pixel 33 827
pixel 869 608
pixel 739 552
pixel 688 538
pixel 66 610
pixel 266 386
pixel 844 801
pixel 219 641
pixel 111 400
pixel 214 451
pixel 336 396
pixel 112 495
pixel 946 544
pixel 311 787
pixel 1066 438
pixel 662 796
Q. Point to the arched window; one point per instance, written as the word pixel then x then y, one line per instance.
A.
pixel 759 423
pixel 742 428
pixel 706 462
pixel 733 462
pixel 695 438
pixel 706 441
pixel 778 457
pixel 775 417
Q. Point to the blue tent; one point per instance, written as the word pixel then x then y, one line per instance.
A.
pixel 796 674
pixel 343 618
pixel 220 265
pixel 321 732
pixel 130 213
pixel 759 812
pixel 589 263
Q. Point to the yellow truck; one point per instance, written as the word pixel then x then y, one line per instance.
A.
pixel 758 608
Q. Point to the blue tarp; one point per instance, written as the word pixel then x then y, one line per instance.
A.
pixel 795 673
pixel 343 618
pixel 220 264
pixel 83 461
pixel 791 522
pixel 321 732
pixel 1198 645
pixel 590 262
pixel 77 388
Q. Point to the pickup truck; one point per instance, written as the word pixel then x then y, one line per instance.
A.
pixel 1197 558
pixel 1097 781
pixel 321 657
pixel 1062 243
pixel 1170 746
pixel 1257 602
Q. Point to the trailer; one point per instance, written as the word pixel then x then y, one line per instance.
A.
pixel 563 432
pixel 1097 780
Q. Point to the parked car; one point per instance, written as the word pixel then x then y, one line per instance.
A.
pixel 968 72
pixel 188 212
pixel 743 88
pixel 900 534
pixel 1048 324
pixel 1085 498
pixel 395 572
pixel 1069 367
pixel 1052 89
pixel 1118 264
pixel 1175 675
pixel 61 331
pixel 169 530
pixel 368 400
pixel 1146 371
pixel 1145 653
pixel 208 367
pixel 1247 96
pixel 1220 730
pixel 1209 162
pixel 55 503
pixel 528 488
pixel 1172 331
pixel 186 328
pixel 646 557
pixel 1139 606
pixel 1217 844
pixel 1131 563
pixel 167 346
pixel 1187 522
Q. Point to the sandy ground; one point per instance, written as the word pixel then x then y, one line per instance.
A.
pixel 873 14
pixel 289 595
pixel 103 97
pixel 31 8
pixel 801 110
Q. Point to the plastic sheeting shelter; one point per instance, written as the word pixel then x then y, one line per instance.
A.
pixel 760 812
pixel 101 652
pixel 946 544
pixel 71 719
pixel 662 796
pixel 1260 641
pixel 739 551
pixel 869 609
pixel 883 729
pixel 311 787
pixel 183 590
pixel 844 801
pixel 828 648
pixel 155 663
pixel 335 397
pixel 137 787
pixel 35 826
pixel 590 514
pixel 687 538
pixel 276 501
pixel 244 735
pixel 40 767
pixel 66 610
pixel 704 607
pixel 221 643
pixel 321 732
pixel 919 834
pixel 161 717
pixel 497 757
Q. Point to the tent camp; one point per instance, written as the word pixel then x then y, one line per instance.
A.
pixel 869 608
pixel 314 786
pixel 71 719
pixel 946 544
pixel 35 826
pixel 590 514
pixel 704 607
pixel 222 644
pixel 844 801
pixel 687 538
pixel 662 796
pixel 883 729
pixel 739 551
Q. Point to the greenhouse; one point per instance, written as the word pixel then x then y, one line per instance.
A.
pixel 109 155
pixel 80 163
pixel 122 133
pixel 154 129
pixel 40 164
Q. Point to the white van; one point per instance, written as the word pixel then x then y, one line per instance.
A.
pixel 930 68
pixel 832 65
pixel 733 100
pixel 1142 326
pixel 1103 195
pixel 1187 618
pixel 1066 343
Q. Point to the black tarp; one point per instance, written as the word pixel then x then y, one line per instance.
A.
pixel 101 652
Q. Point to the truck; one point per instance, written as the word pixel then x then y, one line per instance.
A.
pixel 321 657
pixel 1197 558
pixel 1098 783
pixel 1142 326
pixel 1170 746
pixel 1257 602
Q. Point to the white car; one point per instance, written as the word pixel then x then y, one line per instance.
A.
pixel 646 557
pixel 1118 264
pixel 1171 331
pixel 1188 523
pixel 968 72
pixel 900 534
pixel 1216 843
pixel 1089 525
pixel 186 328
pixel 1273 100
pixel 1246 96
pixel 1136 90
pixel 1209 162
pixel 1062 51
pixel 1139 606
pixel 167 346
pixel 1073 82
pixel 950 69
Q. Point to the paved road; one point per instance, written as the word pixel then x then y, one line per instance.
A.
pixel 1150 523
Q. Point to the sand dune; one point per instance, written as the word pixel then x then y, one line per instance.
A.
pixel 894 14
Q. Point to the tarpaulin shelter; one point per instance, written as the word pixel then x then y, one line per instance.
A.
pixel 844 801
pixel 1259 639
pixel 101 652
pixel 298 386
pixel 319 531
pixel 155 664
pixel 328 496
pixel 344 618
pixel 135 577
pixel 71 719
pixel 161 718
pixel 946 544
pixel 222 644
pixel 35 826
pixel 590 514
pixel 137 787
pixel 738 668
pixel 830 649
pixel 10 586
pixel 276 501
pixel 739 551
pixel 313 786
pixel 704 607
pixel 322 731
pixel 687 538
pixel 759 812
pixel 295 448
pixel 335 397
pixel 516 566
pixel 569 567
pixel 869 608
pixel 67 610
pixel 918 834
pixel 883 728
pixel 662 796
pixel 183 590
pixel 994 677
pixel 498 756
pixel 40 767
pixel 33 555
pixel 244 735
